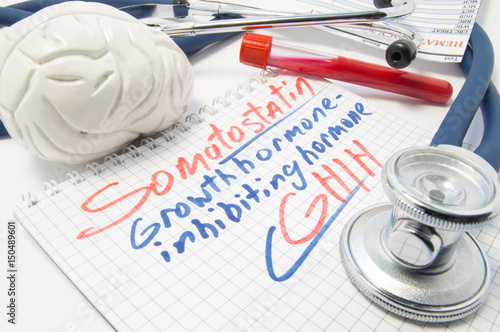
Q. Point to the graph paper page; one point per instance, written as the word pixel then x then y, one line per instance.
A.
pixel 234 223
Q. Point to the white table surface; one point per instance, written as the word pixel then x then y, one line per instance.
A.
pixel 47 300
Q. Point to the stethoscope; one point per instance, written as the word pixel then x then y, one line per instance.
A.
pixel 176 19
pixel 413 257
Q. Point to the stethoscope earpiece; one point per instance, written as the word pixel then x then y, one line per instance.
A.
pixel 401 53
pixel 415 257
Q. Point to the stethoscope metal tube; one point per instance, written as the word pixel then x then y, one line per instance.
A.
pixel 154 11
pixel 11 14
pixel 415 256
pixel 399 54
pixel 245 24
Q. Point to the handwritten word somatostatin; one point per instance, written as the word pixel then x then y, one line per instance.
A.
pixel 273 133
pixel 254 119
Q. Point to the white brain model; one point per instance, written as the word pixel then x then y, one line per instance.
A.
pixel 80 80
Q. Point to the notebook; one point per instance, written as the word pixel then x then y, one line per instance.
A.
pixel 231 219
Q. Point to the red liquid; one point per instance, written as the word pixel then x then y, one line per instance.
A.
pixel 370 75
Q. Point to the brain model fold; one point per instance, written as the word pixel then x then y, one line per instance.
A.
pixel 80 80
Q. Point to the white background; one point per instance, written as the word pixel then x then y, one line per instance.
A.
pixel 47 301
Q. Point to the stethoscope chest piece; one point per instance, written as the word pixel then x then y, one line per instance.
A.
pixel 415 256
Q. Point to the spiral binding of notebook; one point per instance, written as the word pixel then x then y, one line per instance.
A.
pixel 165 136
pixel 197 229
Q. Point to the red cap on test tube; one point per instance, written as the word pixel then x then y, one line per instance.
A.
pixel 255 50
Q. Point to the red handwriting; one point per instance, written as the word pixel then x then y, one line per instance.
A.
pixel 323 180
pixel 323 197
pixel 218 141
pixel 255 118
pixel 312 239
pixel 319 224
pixel 155 187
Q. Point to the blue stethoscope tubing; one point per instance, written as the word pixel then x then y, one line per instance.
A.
pixel 19 11
pixel 477 92
pixel 16 12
